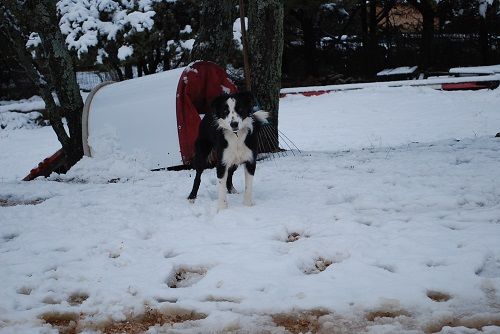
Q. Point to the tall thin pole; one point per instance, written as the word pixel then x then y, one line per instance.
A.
pixel 248 80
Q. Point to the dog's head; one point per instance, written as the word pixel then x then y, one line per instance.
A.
pixel 233 112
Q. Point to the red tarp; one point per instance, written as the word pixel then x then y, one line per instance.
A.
pixel 199 84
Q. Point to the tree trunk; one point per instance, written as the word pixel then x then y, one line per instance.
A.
pixel 427 34
pixel 62 73
pixel 426 9
pixel 14 38
pixel 309 48
pixel 265 20
pixel 372 54
pixel 129 71
pixel 483 40
pixel 216 32
pixel 364 22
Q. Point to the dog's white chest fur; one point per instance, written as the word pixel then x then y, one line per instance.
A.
pixel 236 152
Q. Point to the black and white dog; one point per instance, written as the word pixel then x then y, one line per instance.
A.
pixel 227 137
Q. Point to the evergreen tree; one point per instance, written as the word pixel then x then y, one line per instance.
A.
pixel 19 18
pixel 215 36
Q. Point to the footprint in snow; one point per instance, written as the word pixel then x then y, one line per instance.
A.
pixel 490 268
pixel 292 237
pixel 320 264
pixel 77 298
pixel 438 296
pixel 386 267
pixel 25 290
pixel 9 236
pixel 184 277
pixel 169 254
pixel 433 264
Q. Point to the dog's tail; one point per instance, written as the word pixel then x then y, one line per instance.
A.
pixel 261 116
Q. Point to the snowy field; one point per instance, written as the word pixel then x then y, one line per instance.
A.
pixel 387 222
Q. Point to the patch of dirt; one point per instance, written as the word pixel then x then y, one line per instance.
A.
pixel 66 323
pixel 303 322
pixel 371 316
pixel 72 323
pixel 151 318
pixel 438 296
pixel 318 322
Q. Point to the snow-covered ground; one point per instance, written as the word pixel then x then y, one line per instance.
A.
pixel 387 222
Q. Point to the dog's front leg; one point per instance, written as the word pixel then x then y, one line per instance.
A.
pixel 222 190
pixel 249 173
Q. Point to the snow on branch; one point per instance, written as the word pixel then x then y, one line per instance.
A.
pixel 85 22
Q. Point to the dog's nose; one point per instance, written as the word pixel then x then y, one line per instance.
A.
pixel 234 125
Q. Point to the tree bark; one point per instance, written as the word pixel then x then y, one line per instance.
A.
pixel 216 32
pixel 372 54
pixel 40 16
pixel 427 34
pixel 23 58
pixel 364 22
pixel 484 41
pixel 309 48
pixel 265 20
pixel 62 73
pixel 427 10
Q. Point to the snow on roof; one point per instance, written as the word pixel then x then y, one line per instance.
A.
pixel 397 70
pixel 398 83
pixel 492 69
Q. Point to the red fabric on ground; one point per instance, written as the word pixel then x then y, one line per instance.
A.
pixel 199 84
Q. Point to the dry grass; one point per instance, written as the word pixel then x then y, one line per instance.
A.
pixel 66 323
pixel 72 323
pixel 151 318
pixel 316 321
pixel 300 322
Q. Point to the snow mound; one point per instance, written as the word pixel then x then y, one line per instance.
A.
pixel 108 165
pixel 14 120
pixel 112 169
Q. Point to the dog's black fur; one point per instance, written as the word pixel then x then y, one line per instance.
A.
pixel 217 130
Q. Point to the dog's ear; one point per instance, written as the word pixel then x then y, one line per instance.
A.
pixel 246 99
pixel 218 102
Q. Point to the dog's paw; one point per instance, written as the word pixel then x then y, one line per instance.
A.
pixel 191 200
pixel 232 191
